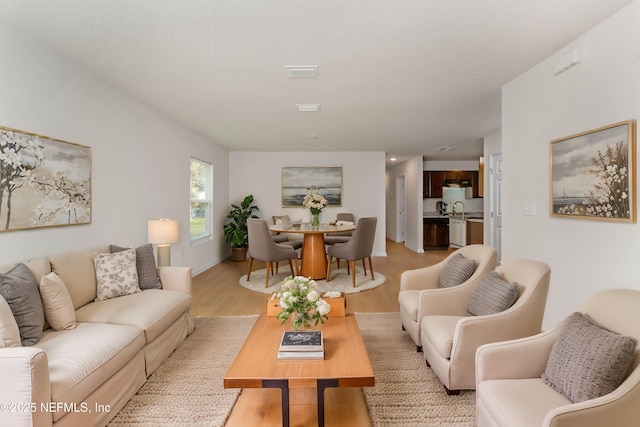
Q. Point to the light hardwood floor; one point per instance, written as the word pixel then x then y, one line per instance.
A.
pixel 216 291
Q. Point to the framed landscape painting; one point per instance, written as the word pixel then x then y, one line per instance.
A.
pixel 296 181
pixel 593 174
pixel 44 182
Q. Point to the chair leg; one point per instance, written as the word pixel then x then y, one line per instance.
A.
pixel 364 267
pixel 295 263
pixel 353 274
pixel 338 262
pixel 371 268
pixel 291 267
pixel 329 268
pixel 267 270
pixel 250 265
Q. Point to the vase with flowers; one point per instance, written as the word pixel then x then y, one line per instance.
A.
pixel 301 302
pixel 315 202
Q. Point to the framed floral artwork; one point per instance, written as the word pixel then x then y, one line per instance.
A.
pixel 44 182
pixel 297 181
pixel 593 174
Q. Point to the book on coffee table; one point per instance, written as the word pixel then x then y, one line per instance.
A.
pixel 301 355
pixel 302 341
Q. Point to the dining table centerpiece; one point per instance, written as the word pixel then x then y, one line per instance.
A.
pixel 315 202
pixel 301 303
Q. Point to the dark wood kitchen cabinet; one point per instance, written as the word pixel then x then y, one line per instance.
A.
pixel 435 233
pixel 433 181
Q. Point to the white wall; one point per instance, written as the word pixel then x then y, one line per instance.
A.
pixel 363 186
pixel 585 255
pixel 140 167
pixel 412 171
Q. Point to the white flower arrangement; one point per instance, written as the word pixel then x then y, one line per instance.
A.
pixel 314 202
pixel 298 295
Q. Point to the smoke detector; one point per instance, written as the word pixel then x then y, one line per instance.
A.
pixel 302 71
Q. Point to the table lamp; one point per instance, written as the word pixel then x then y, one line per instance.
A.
pixel 162 232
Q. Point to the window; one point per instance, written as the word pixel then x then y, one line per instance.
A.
pixel 201 200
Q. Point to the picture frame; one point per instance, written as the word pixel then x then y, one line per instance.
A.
pixel 296 182
pixel 44 182
pixel 593 174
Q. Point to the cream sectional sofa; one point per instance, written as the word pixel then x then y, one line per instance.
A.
pixel 83 376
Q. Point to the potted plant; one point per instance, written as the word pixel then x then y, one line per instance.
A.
pixel 235 231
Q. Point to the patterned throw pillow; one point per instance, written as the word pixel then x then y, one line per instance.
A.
pixel 587 360
pixel 58 307
pixel 492 295
pixel 145 266
pixel 20 290
pixel 116 274
pixel 457 271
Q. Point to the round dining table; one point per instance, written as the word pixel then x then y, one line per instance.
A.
pixel 314 255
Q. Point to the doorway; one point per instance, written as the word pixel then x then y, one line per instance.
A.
pixel 495 197
pixel 401 222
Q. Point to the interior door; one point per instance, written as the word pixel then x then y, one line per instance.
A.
pixel 400 209
pixel 495 176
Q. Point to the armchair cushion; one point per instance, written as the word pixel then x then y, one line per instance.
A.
pixel 492 295
pixel 587 360
pixel 457 271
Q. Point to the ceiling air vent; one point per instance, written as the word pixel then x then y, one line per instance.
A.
pixel 302 71
pixel 308 108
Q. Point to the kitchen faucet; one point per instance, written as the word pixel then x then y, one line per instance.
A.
pixel 454 207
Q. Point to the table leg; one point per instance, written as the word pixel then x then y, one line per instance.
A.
pixel 284 386
pixel 322 385
pixel 314 256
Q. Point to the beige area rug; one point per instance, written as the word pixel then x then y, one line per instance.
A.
pixel 340 281
pixel 187 389
pixel 407 392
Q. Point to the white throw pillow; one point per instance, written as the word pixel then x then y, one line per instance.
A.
pixel 58 307
pixel 9 332
pixel 116 274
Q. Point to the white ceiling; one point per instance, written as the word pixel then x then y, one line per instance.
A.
pixel 405 77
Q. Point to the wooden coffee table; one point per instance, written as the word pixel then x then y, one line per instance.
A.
pixel 346 362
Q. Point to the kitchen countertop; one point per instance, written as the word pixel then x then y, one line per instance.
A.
pixel 468 216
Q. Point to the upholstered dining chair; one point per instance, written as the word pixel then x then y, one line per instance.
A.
pixel 452 329
pixel 591 367
pixel 343 237
pixel 416 286
pixel 360 246
pixel 263 248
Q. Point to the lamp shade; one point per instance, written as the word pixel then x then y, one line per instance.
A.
pixel 162 231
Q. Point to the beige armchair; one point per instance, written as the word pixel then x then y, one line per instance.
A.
pixel 416 286
pixel 510 391
pixel 451 335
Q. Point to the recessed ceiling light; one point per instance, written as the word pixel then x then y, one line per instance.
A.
pixel 393 159
pixel 305 108
pixel 301 71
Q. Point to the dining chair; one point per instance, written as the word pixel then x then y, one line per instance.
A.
pixel 263 248
pixel 360 246
pixel 343 237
